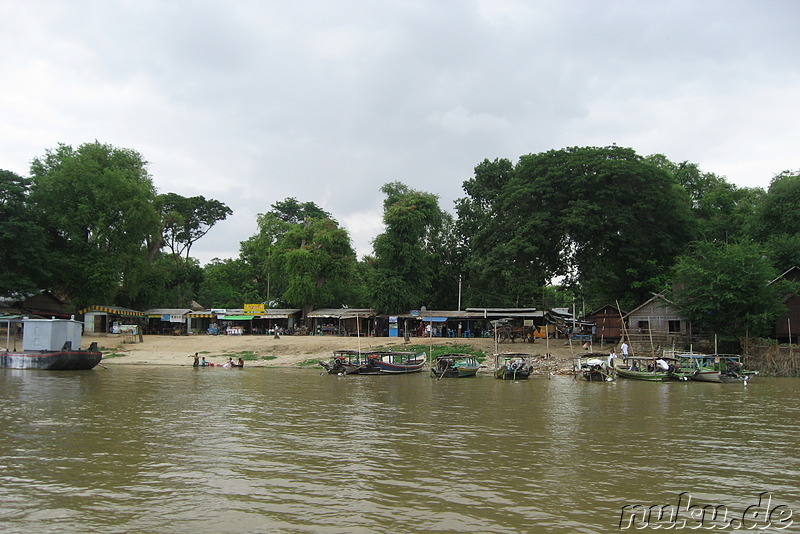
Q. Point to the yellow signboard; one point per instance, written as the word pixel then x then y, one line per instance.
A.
pixel 253 309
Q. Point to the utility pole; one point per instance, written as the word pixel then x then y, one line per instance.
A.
pixel 459 292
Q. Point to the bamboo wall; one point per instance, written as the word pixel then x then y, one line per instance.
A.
pixel 772 359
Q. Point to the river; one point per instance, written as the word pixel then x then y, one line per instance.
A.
pixel 177 449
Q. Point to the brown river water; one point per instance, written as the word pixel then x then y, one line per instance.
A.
pixel 177 449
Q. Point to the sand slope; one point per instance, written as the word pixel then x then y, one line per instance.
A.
pixel 288 350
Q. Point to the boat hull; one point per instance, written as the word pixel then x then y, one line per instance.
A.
pixel 392 368
pixel 649 376
pixel 51 360
pixel 723 378
pixel 596 376
pixel 456 372
pixel 513 374
pixel 707 376
pixel 392 363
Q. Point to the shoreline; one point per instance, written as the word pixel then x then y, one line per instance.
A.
pixel 294 351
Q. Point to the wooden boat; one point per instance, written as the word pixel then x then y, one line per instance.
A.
pixel 344 361
pixel 392 363
pixel 719 368
pixel 592 368
pixel 513 366
pixel 48 344
pixel 646 368
pixel 455 366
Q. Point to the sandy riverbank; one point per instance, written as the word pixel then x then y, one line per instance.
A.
pixel 290 351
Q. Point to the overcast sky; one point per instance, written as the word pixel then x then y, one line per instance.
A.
pixel 251 102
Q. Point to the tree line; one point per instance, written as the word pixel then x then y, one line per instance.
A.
pixel 597 224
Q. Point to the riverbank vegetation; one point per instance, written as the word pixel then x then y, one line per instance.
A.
pixel 592 224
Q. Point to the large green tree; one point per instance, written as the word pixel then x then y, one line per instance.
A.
pixel 722 211
pixel 491 278
pixel 261 256
pixel 187 219
pixel 602 220
pixel 728 288
pixel 777 220
pixel 228 283
pixel 406 262
pixel 318 262
pixel 97 203
pixel 24 259
pixel 300 257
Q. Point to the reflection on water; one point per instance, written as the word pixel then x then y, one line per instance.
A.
pixel 143 449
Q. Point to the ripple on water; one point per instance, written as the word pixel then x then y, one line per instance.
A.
pixel 135 449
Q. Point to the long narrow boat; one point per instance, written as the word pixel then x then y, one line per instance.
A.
pixel 455 366
pixel 719 368
pixel 646 368
pixel 392 363
pixel 592 368
pixel 513 366
pixel 48 344
pixel 344 362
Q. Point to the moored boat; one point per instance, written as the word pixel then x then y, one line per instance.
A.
pixel 592 368
pixel 648 368
pixel 719 368
pixel 513 366
pixel 48 344
pixel 392 363
pixel 344 361
pixel 455 366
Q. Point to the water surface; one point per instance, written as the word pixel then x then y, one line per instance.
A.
pixel 152 449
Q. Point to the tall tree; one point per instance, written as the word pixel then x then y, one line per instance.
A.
pixel 489 275
pixel 318 261
pixel 187 219
pixel 777 220
pixel 603 220
pixel 293 212
pixel 98 203
pixel 23 255
pixel 227 284
pixel 300 257
pixel 260 253
pixel 723 212
pixel 405 262
pixel 728 288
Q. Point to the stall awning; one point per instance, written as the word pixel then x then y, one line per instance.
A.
pixel 434 319
pixel 237 318
pixel 112 310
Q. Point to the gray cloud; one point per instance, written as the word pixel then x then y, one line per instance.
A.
pixel 252 102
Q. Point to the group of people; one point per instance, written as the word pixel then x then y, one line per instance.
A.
pixel 201 362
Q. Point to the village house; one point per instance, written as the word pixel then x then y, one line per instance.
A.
pixel 787 327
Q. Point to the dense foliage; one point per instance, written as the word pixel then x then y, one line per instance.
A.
pixel 300 257
pixel 586 224
pixel 89 225
pixel 405 254
pixel 728 288
pixel 97 203
pixel 21 238
pixel 604 221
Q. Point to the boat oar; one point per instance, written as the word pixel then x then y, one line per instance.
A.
pixel 445 370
